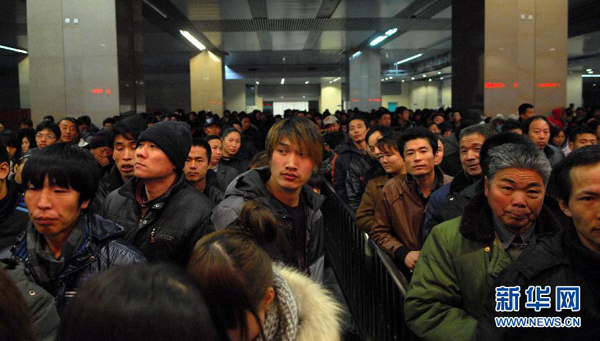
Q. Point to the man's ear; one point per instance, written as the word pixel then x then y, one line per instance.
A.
pixel 4 170
pixel 85 204
pixel 565 208
pixel 571 145
pixel 486 185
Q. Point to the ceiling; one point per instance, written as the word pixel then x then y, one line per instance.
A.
pixel 307 39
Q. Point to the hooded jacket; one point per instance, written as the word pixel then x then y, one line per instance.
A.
pixel 100 250
pixel 171 227
pixel 251 186
pixel 456 270
pixel 14 216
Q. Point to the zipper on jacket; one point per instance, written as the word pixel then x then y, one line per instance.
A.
pixel 152 235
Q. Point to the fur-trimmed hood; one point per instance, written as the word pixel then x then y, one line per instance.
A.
pixel 319 312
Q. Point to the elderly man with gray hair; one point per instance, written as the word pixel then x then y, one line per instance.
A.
pixel 462 257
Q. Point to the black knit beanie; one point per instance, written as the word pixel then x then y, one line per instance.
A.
pixel 173 138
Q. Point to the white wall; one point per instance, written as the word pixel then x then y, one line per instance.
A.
pixel 331 97
pixel 235 95
pixel 574 89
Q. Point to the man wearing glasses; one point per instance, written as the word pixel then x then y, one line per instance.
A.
pixel 47 133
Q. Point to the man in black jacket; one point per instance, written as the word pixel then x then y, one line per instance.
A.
pixel 564 266
pixel 198 173
pixel 163 214
pixel 123 140
pixel 13 212
pixel 65 246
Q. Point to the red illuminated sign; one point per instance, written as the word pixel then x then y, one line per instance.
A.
pixel 107 91
pixel 96 91
pixel 355 100
pixel 374 99
pixel 494 85
pixel 549 85
pixel 515 85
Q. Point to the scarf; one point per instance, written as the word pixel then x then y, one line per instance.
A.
pixel 42 262
pixel 281 320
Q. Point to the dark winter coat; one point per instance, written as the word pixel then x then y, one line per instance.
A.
pixel 558 261
pixel 236 162
pixel 171 227
pixel 348 153
pixel 251 186
pixel 14 216
pixel 101 250
pixel 108 182
pixel 354 180
pixel 225 176
pixel 40 304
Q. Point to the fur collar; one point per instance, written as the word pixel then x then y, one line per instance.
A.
pixel 319 312
pixel 476 223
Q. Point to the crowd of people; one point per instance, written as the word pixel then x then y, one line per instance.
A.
pixel 200 226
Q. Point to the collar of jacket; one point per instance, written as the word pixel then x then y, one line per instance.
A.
pixel 410 184
pixel 113 178
pixel 460 182
pixel 476 223
pixel 97 229
pixel 129 188
pixel 251 185
pixel 349 147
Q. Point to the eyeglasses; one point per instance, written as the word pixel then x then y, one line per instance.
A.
pixel 42 136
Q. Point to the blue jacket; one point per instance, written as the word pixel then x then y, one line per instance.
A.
pixel 101 250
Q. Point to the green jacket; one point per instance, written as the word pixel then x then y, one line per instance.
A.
pixel 456 271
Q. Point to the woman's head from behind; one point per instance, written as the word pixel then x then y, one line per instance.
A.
pixel 141 302
pixel 235 274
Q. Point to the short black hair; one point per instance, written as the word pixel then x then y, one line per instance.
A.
pixel 230 130
pixel 383 130
pixel 209 138
pixel 579 131
pixel 523 108
pixel 498 140
pixel 50 125
pixel 511 125
pixel 129 127
pixel 70 119
pixel 3 153
pixel 65 165
pixel 561 174
pixel 360 117
pixel 139 302
pixel 85 119
pixel 530 120
pixel 333 139
pixel 201 143
pixel 108 120
pixel 417 133
pixel 389 140
pixel 26 121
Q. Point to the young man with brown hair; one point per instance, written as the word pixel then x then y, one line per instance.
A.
pixel 294 149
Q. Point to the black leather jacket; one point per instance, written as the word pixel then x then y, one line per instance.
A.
pixel 102 249
pixel 108 182
pixel 172 225
pixel 354 180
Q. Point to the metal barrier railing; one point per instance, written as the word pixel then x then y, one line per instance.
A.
pixel 374 288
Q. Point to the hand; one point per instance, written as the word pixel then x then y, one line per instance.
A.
pixel 411 259
pixel 101 159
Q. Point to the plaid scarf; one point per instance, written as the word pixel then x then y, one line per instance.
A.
pixel 281 320
pixel 42 262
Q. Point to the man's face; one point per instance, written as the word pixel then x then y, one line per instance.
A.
pixel 124 155
pixel 385 120
pixel 529 113
pixel 68 131
pixel 405 116
pixel 439 119
pixel 470 146
pixel 584 204
pixel 107 125
pixel 216 151
pixel 358 130
pixel 333 127
pixel 152 163
pixel 45 138
pixel 196 165
pixel 374 151
pixel 290 167
pixel 24 126
pixel 539 133
pixel 583 140
pixel 101 154
pixel 418 156
pixel 53 210
pixel 516 197
pixel 439 155
pixel 246 123
pixel 213 129
pixel 83 127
